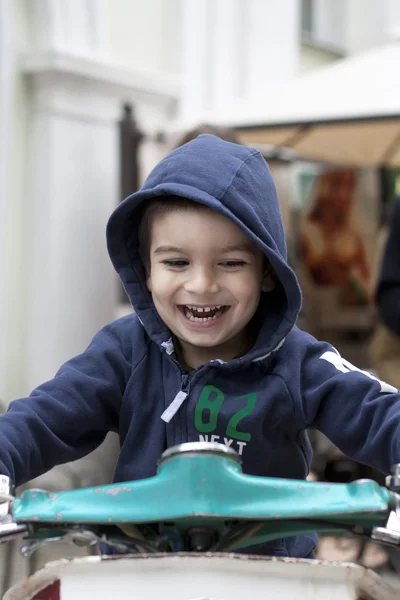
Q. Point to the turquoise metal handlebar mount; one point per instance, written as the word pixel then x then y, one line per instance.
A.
pixel 201 487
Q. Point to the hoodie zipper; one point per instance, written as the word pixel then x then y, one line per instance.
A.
pixel 179 399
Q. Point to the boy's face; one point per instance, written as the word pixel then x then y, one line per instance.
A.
pixel 205 278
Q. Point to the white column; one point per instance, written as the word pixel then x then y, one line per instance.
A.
pixel 74 189
pixel 6 78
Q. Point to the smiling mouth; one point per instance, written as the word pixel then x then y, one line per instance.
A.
pixel 202 314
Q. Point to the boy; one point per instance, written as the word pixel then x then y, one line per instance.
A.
pixel 212 352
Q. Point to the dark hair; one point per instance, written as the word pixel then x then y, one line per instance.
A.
pixel 225 133
pixel 160 205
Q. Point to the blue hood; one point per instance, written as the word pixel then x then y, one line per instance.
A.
pixel 235 181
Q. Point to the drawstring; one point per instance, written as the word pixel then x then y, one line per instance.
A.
pixel 175 405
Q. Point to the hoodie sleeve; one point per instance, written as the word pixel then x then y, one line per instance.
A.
pixel 359 413
pixel 68 416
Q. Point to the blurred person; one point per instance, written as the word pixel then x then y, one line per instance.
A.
pixel 333 250
pixel 212 348
pixel 385 343
pixel 335 258
pixel 335 273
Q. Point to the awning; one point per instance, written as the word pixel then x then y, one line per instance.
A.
pixel 346 113
pixel 372 141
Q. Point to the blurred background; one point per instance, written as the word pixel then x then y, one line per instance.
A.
pixel 93 93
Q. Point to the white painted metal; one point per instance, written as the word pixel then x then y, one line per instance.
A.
pixel 211 576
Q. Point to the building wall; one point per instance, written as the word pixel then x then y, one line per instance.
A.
pixel 15 274
pixel 62 169
pixel 393 18
pixel 366 24
pixel 233 50
pixel 340 28
pixel 145 35
pixel 323 33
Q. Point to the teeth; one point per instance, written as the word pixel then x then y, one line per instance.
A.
pixel 200 319
pixel 191 317
pixel 203 308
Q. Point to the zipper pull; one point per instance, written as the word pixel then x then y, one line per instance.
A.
pixel 175 405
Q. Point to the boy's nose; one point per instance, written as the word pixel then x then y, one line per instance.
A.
pixel 202 281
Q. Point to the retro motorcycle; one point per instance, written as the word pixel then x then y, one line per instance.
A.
pixel 181 534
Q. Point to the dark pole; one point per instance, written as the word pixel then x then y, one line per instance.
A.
pixel 130 139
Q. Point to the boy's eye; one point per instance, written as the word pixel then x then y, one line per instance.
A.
pixel 231 264
pixel 177 262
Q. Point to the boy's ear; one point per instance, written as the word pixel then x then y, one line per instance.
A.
pixel 268 280
pixel 268 284
pixel 148 282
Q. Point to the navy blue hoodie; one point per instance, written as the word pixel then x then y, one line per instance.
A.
pixel 130 381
